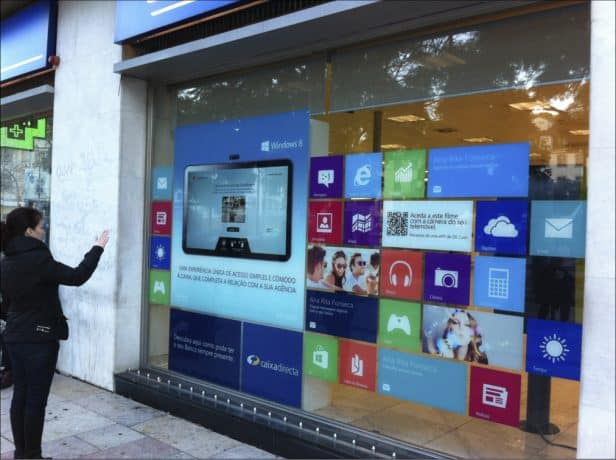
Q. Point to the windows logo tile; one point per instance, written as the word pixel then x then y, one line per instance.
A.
pixel 553 348
pixel 502 227
pixel 160 252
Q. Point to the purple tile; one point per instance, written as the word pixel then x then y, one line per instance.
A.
pixel 362 223
pixel 447 278
pixel 326 177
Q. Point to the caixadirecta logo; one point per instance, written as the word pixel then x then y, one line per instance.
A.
pixel 255 360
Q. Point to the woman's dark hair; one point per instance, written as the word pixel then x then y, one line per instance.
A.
pixel 17 221
pixel 338 280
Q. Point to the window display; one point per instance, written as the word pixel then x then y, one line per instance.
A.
pixel 413 279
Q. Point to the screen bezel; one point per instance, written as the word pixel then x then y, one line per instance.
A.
pixel 243 165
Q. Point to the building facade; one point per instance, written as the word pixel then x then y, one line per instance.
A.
pixel 366 228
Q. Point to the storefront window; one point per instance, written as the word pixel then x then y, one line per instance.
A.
pixel 26 165
pixel 437 217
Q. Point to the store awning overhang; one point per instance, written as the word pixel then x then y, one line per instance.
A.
pixel 35 100
pixel 313 30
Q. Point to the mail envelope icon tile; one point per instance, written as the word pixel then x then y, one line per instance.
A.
pixel 161 183
pixel 558 228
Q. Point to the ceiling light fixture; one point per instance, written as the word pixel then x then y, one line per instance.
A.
pixel 478 140
pixel 410 118
pixel 580 132
pixel 533 105
pixel 392 146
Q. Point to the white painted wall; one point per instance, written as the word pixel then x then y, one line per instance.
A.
pixel 97 183
pixel 596 420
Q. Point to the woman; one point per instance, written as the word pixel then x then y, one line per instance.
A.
pixel 337 276
pixel 35 322
pixel 461 339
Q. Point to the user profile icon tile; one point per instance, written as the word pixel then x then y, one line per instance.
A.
pixel 325 222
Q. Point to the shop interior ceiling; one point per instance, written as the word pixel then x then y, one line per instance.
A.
pixel 553 118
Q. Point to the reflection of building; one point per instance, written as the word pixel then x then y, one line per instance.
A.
pixel 388 76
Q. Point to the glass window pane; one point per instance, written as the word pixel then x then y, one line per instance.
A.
pixel 518 52
pixel 26 165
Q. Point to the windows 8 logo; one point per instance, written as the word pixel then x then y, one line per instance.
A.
pixel 253 360
pixel 269 145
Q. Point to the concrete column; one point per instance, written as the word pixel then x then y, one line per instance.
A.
pixel 596 419
pixel 97 183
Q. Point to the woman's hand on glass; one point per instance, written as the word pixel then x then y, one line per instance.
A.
pixel 102 239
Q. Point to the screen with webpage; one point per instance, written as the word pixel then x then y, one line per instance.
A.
pixel 238 210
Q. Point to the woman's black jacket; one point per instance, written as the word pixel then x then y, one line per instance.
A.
pixel 29 281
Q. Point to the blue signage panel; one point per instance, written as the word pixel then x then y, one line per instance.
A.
pixel 205 347
pixel 342 315
pixel 479 171
pixel 434 382
pixel 136 17
pixel 27 39
pixel 239 229
pixel 553 348
pixel 272 364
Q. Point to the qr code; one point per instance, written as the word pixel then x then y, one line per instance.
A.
pixel 397 223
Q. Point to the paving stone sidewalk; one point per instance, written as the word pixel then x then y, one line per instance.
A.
pixel 84 421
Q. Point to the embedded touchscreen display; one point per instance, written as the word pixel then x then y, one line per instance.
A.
pixel 238 210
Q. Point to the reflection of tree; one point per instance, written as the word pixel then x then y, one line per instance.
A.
pixel 518 52
pixel 284 88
